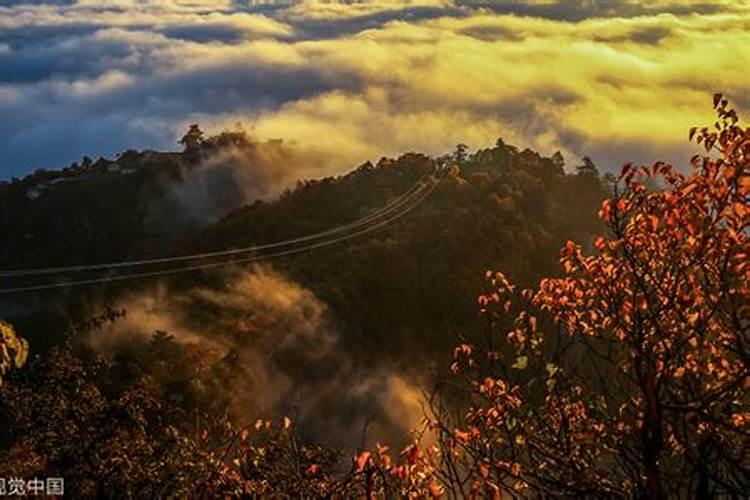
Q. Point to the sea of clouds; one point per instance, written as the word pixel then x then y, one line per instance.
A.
pixel 613 79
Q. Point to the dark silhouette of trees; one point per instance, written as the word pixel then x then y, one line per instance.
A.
pixel 192 139
pixel 587 167
pixel 558 160
pixel 460 153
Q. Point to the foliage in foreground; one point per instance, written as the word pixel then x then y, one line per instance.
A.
pixel 629 375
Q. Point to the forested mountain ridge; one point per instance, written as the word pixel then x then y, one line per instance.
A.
pixel 497 207
pixel 95 210
pixel 132 206
pixel 139 204
pixel 335 336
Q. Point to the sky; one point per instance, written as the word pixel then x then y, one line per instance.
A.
pixel 616 80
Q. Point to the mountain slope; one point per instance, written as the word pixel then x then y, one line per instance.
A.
pixel 407 286
pixel 397 290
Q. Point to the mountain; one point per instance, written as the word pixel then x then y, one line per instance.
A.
pixel 138 204
pixel 404 288
pixel 392 289
pixel 335 335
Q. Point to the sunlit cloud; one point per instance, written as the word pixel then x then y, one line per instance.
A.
pixel 616 80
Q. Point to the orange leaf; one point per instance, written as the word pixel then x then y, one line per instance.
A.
pixel 654 222
pixel 484 471
pixel 435 490
pixel 362 460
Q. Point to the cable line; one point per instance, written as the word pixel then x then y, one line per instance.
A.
pixel 311 246
pixel 390 207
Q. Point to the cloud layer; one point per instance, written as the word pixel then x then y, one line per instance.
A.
pixel 613 79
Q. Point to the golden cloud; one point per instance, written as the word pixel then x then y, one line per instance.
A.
pixel 355 81
pixel 636 84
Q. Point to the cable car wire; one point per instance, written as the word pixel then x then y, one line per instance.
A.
pixel 390 207
pixel 211 265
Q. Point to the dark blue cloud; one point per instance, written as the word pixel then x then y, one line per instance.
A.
pixel 646 36
pixel 324 28
pixel 491 33
pixel 224 33
pixel 68 55
pixel 63 125
pixel 12 3
pixel 25 36
pixel 578 10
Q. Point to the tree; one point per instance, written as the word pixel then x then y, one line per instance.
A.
pixel 627 376
pixel 587 167
pixel 229 138
pixel 192 139
pixel 558 160
pixel 460 153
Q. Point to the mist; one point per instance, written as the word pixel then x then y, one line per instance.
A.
pixel 226 178
pixel 284 342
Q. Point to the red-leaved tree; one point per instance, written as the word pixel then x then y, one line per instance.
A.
pixel 629 375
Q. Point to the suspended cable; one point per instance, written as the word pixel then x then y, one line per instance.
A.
pixel 390 207
pixel 168 272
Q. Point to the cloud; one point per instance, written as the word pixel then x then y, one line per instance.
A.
pixel 579 10
pixel 287 352
pixel 325 20
pixel 430 85
pixel 614 79
pixel 226 180
pixel 154 87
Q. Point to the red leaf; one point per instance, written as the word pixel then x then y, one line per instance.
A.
pixel 654 222
pixel 362 460
pixel 435 490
